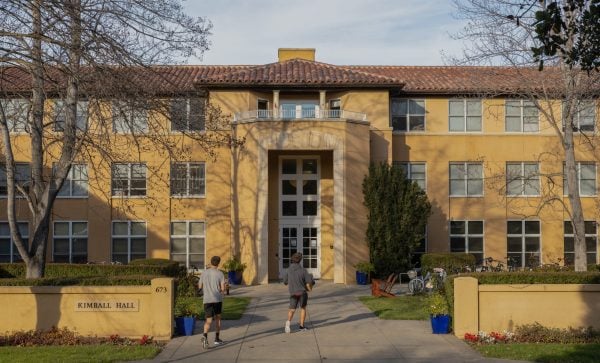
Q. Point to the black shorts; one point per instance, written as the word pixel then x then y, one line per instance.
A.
pixel 296 300
pixel 212 309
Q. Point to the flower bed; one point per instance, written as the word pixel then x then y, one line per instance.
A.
pixel 536 333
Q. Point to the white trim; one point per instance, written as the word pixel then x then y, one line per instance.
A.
pixel 128 236
pixel 408 114
pixel 522 116
pixel 187 237
pixel 467 235
pixel 465 164
pixel 465 116
pixel 70 237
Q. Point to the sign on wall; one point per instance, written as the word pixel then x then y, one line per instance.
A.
pixel 108 305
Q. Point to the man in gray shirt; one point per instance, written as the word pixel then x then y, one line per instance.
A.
pixel 212 282
pixel 299 281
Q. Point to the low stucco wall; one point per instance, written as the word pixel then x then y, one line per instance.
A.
pixel 129 311
pixel 503 307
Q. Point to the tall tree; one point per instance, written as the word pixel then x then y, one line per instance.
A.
pixel 561 40
pixel 83 50
pixel 398 210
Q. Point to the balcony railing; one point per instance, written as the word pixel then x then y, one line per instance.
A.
pixel 305 113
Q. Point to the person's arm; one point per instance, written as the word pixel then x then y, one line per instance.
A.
pixel 285 278
pixel 222 284
pixel 200 284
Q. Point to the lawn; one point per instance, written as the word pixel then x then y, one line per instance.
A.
pixel 563 353
pixel 397 308
pixel 78 353
pixel 233 307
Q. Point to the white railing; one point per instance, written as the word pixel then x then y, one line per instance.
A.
pixel 287 114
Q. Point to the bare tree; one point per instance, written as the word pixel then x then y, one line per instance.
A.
pixel 546 46
pixel 90 56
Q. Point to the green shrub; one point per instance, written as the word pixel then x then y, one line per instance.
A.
pixel 188 307
pixel 187 285
pixel 17 270
pixel 451 262
pixel 234 264
pixel 365 267
pixel 130 280
pixel 437 304
pixel 536 333
pixel 151 262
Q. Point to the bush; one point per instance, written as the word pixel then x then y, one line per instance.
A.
pixel 437 304
pixel 234 264
pixel 61 270
pixel 536 333
pixel 151 262
pixel 451 262
pixel 365 267
pixel 64 336
pixel 131 280
pixel 188 307
pixel 187 285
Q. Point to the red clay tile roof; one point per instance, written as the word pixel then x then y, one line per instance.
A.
pixel 297 73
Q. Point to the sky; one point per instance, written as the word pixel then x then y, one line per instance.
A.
pixel 344 32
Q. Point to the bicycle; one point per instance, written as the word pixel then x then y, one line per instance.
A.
pixel 419 283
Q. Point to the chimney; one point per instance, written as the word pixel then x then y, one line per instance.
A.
pixel 291 53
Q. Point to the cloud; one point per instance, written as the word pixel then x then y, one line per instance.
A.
pixel 342 31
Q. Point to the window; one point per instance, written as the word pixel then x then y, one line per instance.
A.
pixel 521 116
pixel 188 243
pixel 188 179
pixel 60 115
pixel 523 243
pixel 187 114
pixel 522 179
pixel 8 250
pixel 262 108
pixel 128 241
pixel 408 114
pixel 128 119
pixel 335 108
pixel 586 179
pixel 129 180
pixel 584 115
pixel 466 179
pixel 22 178
pixel 70 242
pixel 465 115
pixel 467 237
pixel 591 244
pixel 414 172
pixel 299 187
pixel 17 114
pixel 76 183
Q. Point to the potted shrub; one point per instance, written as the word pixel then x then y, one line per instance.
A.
pixel 363 270
pixel 439 313
pixel 187 310
pixel 234 268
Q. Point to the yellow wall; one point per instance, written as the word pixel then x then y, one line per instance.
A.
pixel 44 307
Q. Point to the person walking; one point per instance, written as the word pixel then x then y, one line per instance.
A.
pixel 299 281
pixel 212 283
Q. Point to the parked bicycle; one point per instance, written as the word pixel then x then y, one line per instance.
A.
pixel 430 282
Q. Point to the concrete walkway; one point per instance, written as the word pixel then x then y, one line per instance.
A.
pixel 341 330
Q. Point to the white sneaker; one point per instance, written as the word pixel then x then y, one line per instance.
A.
pixel 204 341
pixel 287 327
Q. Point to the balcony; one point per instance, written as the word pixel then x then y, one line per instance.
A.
pixel 299 114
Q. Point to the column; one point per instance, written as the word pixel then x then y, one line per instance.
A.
pixel 275 103
pixel 322 104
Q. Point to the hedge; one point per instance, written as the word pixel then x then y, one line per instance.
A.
pixel 59 270
pixel 131 280
pixel 451 262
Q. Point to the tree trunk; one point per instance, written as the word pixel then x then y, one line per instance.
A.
pixel 35 268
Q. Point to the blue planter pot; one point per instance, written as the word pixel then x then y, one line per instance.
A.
pixel 440 324
pixel 235 277
pixel 185 325
pixel 361 278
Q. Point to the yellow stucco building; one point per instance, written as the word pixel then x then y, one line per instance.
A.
pixel 310 131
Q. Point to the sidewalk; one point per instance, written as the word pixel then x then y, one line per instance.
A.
pixel 341 330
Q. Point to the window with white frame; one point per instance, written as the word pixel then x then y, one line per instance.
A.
pixel 522 179
pixel 414 172
pixel 128 179
pixel 188 179
pixel 408 114
pixel 129 118
pixel 586 179
pixel 8 250
pixel 464 115
pixel 584 115
pixel 467 237
pixel 187 114
pixel 60 115
pixel 17 112
pixel 521 116
pixel 70 242
pixel 76 183
pixel 523 243
pixel 188 243
pixel 22 178
pixel 128 241
pixel 466 179
pixel 591 242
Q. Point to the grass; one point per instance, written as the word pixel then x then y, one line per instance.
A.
pixel 233 307
pixel 78 353
pixel 547 353
pixel 397 308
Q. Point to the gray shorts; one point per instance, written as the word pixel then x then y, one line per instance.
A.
pixel 299 299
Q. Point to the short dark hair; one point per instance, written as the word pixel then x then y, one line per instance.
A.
pixel 215 260
pixel 296 257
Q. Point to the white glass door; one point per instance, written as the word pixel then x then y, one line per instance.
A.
pixel 303 239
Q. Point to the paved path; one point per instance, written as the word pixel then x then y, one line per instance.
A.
pixel 341 330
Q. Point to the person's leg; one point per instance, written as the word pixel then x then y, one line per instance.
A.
pixel 302 315
pixel 291 314
pixel 303 302
pixel 207 323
